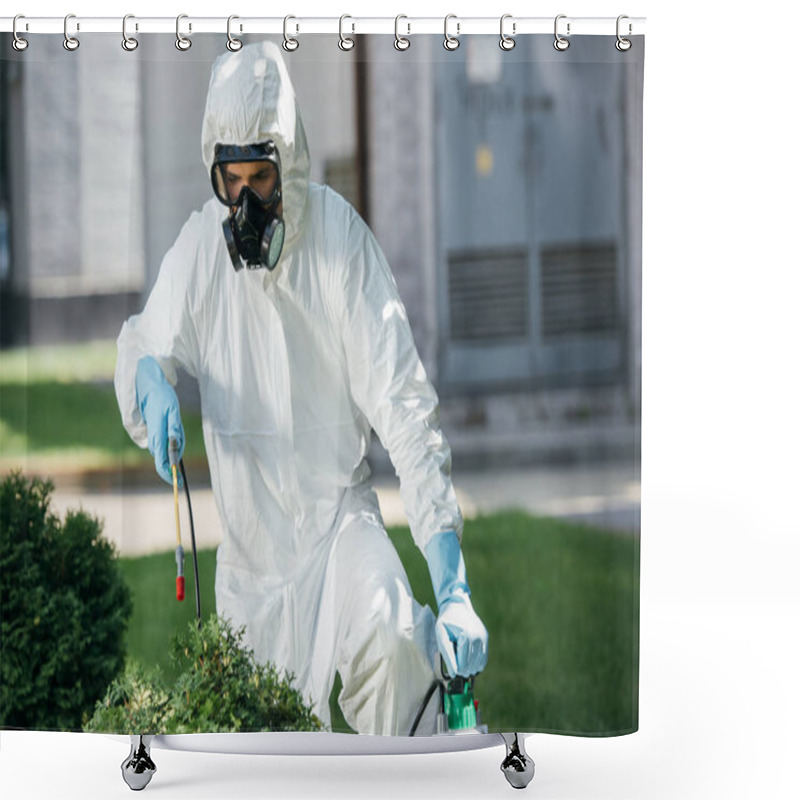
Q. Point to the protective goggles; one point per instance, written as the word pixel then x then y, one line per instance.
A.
pixel 228 180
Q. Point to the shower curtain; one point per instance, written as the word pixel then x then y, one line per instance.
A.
pixel 503 187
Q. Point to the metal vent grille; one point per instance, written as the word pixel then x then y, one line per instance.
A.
pixel 488 294
pixel 579 291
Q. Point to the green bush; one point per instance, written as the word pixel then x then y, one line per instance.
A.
pixel 220 688
pixel 64 607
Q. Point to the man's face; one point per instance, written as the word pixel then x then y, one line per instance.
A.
pixel 260 176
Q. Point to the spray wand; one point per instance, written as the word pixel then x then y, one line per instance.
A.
pixel 176 461
pixel 180 581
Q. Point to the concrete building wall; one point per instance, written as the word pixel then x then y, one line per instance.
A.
pixel 173 90
pixel 111 179
pixel 51 162
pixel 563 419
pixel 401 158
pixel 327 100
pixel 83 173
pixel 77 238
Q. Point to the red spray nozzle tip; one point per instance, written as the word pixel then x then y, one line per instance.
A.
pixel 180 587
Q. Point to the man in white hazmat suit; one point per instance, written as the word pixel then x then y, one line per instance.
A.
pixel 296 363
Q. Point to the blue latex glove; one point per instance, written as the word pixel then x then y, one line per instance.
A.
pixel 161 413
pixel 462 638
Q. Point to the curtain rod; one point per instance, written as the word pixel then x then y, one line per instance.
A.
pixel 347 25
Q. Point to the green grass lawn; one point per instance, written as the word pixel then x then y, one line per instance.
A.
pixel 559 601
pixel 58 411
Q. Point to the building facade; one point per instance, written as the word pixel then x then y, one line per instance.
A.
pixel 503 187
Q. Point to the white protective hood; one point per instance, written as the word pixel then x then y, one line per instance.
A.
pixel 251 99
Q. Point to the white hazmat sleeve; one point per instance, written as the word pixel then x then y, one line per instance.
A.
pixel 389 384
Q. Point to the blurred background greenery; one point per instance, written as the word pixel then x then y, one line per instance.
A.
pixel 58 412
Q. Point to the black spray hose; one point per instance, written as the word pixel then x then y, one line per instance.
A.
pixel 433 687
pixel 194 546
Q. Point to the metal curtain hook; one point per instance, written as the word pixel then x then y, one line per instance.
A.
pixel 561 43
pixel 70 42
pixel 507 42
pixel 289 44
pixel 181 42
pixel 233 44
pixel 345 42
pixel 129 43
pixel 400 42
pixel 451 42
pixel 623 45
pixel 19 44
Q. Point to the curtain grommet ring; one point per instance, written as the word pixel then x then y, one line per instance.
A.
pixel 560 43
pixel 289 43
pixel 233 44
pixel 507 42
pixel 622 44
pixel 401 43
pixel 345 42
pixel 18 43
pixel 129 43
pixel 182 42
pixel 451 42
pixel 70 42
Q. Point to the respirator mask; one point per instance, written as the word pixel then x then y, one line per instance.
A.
pixel 247 179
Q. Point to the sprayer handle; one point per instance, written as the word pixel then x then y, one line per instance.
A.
pixel 174 452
